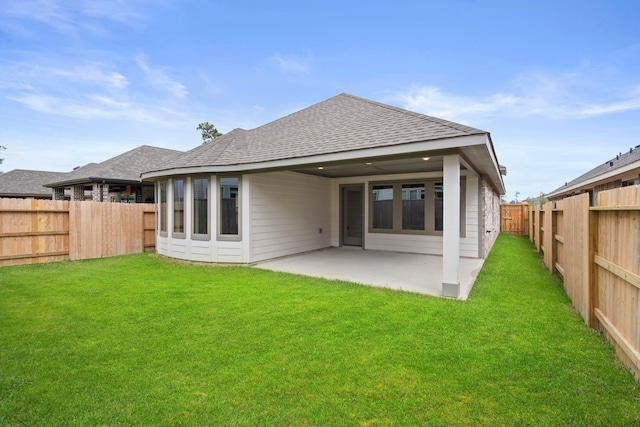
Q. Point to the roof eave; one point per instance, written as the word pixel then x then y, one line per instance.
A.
pixel 91 180
pixel 588 183
pixel 293 163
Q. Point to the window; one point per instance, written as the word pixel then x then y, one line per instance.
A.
pixel 382 209
pixel 200 206
pixel 229 206
pixel 178 205
pixel 437 210
pixel 413 207
pixel 163 207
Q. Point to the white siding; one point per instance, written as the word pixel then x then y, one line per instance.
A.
pixel 288 210
pixel 230 252
pixel 162 245
pixel 282 214
pixel 200 250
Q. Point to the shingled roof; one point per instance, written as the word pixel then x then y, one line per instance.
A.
pixel 126 167
pixel 27 183
pixel 620 162
pixel 340 124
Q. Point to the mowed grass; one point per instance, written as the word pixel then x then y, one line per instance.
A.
pixel 141 340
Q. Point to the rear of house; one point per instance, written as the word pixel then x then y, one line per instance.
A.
pixel 344 172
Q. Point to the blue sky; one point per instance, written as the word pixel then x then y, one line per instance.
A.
pixel 556 83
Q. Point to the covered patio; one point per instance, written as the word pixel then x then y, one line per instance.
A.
pixel 393 270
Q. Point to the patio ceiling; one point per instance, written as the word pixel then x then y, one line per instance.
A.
pixel 475 157
pixel 478 158
pixel 377 167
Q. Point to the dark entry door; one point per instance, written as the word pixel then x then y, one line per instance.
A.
pixel 352 223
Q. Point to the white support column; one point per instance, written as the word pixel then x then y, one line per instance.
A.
pixel 451 226
pixel 245 219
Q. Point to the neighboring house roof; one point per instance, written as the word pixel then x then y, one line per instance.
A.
pixel 125 168
pixel 27 183
pixel 342 124
pixel 609 170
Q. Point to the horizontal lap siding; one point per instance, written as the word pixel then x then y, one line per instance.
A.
pixel 230 252
pixel 162 245
pixel 179 249
pixel 287 211
pixel 201 250
pixel 418 244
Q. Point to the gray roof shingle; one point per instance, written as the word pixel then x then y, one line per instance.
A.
pixel 22 182
pixel 623 159
pixel 125 167
pixel 339 124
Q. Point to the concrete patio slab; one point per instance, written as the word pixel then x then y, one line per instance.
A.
pixel 393 270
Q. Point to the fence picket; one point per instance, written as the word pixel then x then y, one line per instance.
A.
pixel 33 231
pixel 597 250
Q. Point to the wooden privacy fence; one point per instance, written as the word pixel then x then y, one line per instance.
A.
pixel 596 250
pixel 34 231
pixel 514 219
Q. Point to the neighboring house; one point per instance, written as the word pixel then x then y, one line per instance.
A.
pixel 621 171
pixel 22 183
pixel 114 180
pixel 344 172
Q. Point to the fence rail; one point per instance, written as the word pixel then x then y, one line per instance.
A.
pixel 596 250
pixel 34 231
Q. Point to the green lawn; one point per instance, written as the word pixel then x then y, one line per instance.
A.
pixel 141 340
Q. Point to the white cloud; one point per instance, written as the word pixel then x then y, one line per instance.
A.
pixel 433 101
pixel 291 64
pixel 75 17
pixel 93 90
pixel 159 78
pixel 93 73
pixel 567 96
pixel 92 107
pixel 59 76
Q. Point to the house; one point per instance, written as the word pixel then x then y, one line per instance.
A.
pixel 22 183
pixel 620 171
pixel 344 172
pixel 114 180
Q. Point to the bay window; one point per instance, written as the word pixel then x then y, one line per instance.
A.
pixel 229 207
pixel 200 207
pixel 163 207
pixel 178 206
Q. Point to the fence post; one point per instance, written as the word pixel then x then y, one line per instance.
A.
pixel 593 270
pixel 553 258
pixel 531 223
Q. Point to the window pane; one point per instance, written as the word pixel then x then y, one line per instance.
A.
pixel 178 206
pixel 437 214
pixel 413 207
pixel 163 206
pixel 229 206
pixel 382 201
pixel 200 205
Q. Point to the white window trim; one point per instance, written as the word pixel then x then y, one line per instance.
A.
pixel 228 237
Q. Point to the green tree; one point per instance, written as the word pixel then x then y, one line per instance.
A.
pixel 209 132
